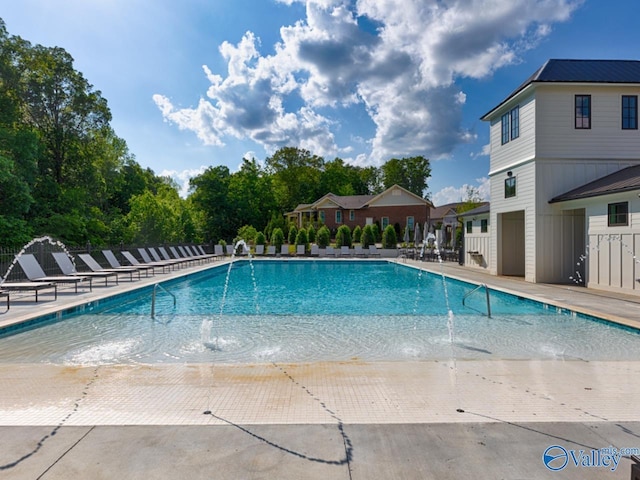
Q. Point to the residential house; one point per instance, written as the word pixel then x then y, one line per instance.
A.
pixel 558 142
pixel 395 205
pixel 477 238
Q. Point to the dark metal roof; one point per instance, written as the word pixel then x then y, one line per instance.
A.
pixel 627 179
pixel 580 71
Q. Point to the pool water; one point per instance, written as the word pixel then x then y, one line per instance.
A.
pixel 297 311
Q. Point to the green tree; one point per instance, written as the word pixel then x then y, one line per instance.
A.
pixel 357 233
pixel 260 239
pixel 293 232
pixel 302 238
pixel 296 176
pixel 368 236
pixel 323 237
pixel 210 196
pixel 389 238
pixel 411 173
pixel 311 232
pixel 343 236
pixel 277 238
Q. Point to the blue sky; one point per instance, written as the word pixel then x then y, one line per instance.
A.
pixel 201 83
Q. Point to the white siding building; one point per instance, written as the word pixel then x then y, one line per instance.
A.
pixel 571 123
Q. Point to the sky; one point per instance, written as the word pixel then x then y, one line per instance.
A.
pixel 201 83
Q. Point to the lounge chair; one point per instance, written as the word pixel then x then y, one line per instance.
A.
pixel 217 250
pixel 259 249
pixel 199 251
pixel 188 253
pixel 345 251
pixel 6 294
pixel 28 287
pixel 68 268
pixel 301 250
pixel 358 251
pixel 230 251
pixel 178 256
pixel 96 267
pixel 329 252
pixel 315 250
pixel 35 273
pixel 148 261
pixel 114 263
pixel 159 261
pixel 284 250
pixel 373 251
pixel 271 250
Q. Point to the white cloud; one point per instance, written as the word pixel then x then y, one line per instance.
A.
pixel 459 194
pixel 403 73
pixel 182 178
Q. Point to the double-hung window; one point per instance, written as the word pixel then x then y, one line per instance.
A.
pixel 510 187
pixel 583 111
pixel 484 225
pixel 338 216
pixel 505 128
pixel 469 226
pixel 629 112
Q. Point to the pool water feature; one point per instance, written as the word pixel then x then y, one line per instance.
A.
pixel 314 310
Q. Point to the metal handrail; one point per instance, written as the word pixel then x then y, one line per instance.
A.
pixel 153 298
pixel 486 289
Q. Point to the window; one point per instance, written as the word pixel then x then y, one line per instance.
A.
pixel 410 223
pixel 338 216
pixel 385 222
pixel 469 226
pixel 515 123
pixel 505 128
pixel 352 215
pixel 510 187
pixel 583 111
pixel 618 214
pixel 629 112
pixel 484 225
pixel 321 216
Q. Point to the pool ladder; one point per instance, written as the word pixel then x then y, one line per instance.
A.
pixel 486 290
pixel 153 298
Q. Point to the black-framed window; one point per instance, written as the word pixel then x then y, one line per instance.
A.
pixel 629 112
pixel 469 226
pixel 510 187
pixel 484 225
pixel 515 123
pixel 583 111
pixel 338 216
pixel 618 214
pixel 505 128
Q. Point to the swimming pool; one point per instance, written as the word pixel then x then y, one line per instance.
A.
pixel 297 311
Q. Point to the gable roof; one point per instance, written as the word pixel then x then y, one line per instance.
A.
pixel 627 179
pixel 444 210
pixel 579 71
pixel 356 202
pixel 479 210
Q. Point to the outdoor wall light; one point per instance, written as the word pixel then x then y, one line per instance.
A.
pixel 509 174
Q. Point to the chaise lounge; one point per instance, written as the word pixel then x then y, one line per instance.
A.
pixel 35 273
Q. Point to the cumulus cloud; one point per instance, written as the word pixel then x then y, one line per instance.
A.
pixel 400 59
pixel 182 178
pixel 454 194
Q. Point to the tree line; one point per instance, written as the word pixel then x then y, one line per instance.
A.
pixel 65 173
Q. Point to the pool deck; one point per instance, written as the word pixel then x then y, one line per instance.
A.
pixel 485 419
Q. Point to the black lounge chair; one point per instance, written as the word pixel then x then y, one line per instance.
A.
pixel 35 273
pixel 96 267
pixel 68 268
pixel 28 287
pixel 113 261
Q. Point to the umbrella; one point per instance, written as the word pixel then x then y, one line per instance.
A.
pixel 417 236
pixel 406 235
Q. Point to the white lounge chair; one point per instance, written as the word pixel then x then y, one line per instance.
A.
pixel 284 250
pixel 259 249
pixel 358 251
pixel 315 250
pixel 329 252
pixel 271 250
pixel 345 251
pixel 301 250
pixel 373 251
pixel 35 273
pixel 217 250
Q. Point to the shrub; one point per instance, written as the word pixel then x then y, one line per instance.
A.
pixel 311 234
pixel 247 233
pixel 376 232
pixel 323 237
pixel 260 238
pixel 368 236
pixel 389 238
pixel 277 238
pixel 357 234
pixel 293 233
pixel 343 236
pixel 301 238
pixel 223 243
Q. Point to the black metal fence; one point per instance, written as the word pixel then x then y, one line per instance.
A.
pixel 42 249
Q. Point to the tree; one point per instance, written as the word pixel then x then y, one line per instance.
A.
pixel 277 238
pixel 210 196
pixel 323 237
pixel 343 236
pixel 296 176
pixel 410 173
pixel 368 236
pixel 302 238
pixel 250 196
pixel 389 238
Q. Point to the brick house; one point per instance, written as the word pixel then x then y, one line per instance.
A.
pixel 394 205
